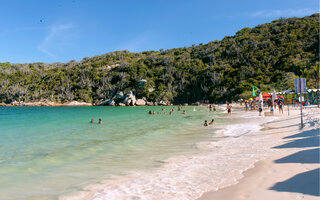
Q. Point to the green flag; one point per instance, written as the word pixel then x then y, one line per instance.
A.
pixel 255 91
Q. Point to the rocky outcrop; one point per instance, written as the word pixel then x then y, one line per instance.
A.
pixel 140 102
pixel 121 104
pixel 129 99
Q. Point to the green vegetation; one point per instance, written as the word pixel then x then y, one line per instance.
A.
pixel 268 56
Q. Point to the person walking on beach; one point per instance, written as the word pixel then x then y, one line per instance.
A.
pixel 246 105
pixel 280 105
pixel 260 108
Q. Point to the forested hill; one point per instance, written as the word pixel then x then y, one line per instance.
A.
pixel 269 56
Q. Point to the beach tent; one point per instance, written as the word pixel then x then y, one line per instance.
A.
pixel 266 95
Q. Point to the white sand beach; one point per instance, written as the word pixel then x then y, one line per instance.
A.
pixel 292 169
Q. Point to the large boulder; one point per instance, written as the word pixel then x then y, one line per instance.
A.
pixel 129 99
pixel 140 102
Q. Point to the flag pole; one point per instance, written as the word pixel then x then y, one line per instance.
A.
pixel 300 88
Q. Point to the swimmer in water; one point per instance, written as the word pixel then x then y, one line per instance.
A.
pixel 92 121
pixel 150 113
pixel 212 122
pixel 205 123
pixel 184 112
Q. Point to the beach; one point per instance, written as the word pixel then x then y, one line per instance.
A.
pixel 292 169
pixel 243 156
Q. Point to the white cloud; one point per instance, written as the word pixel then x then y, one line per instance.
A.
pixel 285 13
pixel 54 32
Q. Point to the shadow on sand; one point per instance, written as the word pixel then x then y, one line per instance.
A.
pixel 305 183
pixel 310 133
pixel 305 156
pixel 301 143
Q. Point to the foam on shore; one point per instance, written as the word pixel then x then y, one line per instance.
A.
pixel 221 163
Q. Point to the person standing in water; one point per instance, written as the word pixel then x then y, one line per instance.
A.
pixel 229 108
pixel 92 121
pixel 100 121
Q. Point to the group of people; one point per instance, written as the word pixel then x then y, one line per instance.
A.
pixel 208 124
pixel 163 111
pixel 211 107
pixel 92 121
pixel 272 105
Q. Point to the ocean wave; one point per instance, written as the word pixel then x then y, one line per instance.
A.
pixel 220 164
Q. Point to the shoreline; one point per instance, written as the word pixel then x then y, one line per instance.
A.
pixel 276 176
pixel 193 170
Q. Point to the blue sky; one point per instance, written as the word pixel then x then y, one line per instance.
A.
pixel 63 30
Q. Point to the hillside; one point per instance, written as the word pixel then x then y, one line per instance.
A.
pixel 269 56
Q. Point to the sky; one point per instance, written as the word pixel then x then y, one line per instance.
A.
pixel 63 30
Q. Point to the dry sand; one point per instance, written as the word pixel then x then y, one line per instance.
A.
pixel 292 172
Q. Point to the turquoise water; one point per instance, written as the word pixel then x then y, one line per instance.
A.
pixel 46 152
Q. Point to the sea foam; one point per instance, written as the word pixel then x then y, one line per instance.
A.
pixel 220 164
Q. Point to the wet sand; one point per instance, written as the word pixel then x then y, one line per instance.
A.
pixel 292 170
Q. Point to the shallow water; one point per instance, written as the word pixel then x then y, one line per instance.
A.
pixel 46 152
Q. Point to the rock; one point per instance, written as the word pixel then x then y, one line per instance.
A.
pixel 140 102
pixel 150 103
pixel 121 104
pixel 14 103
pixel 155 103
pixel 142 82
pixel 111 102
pixel 185 104
pixel 119 95
pixel 162 103
pixel 103 103
pixel 129 99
